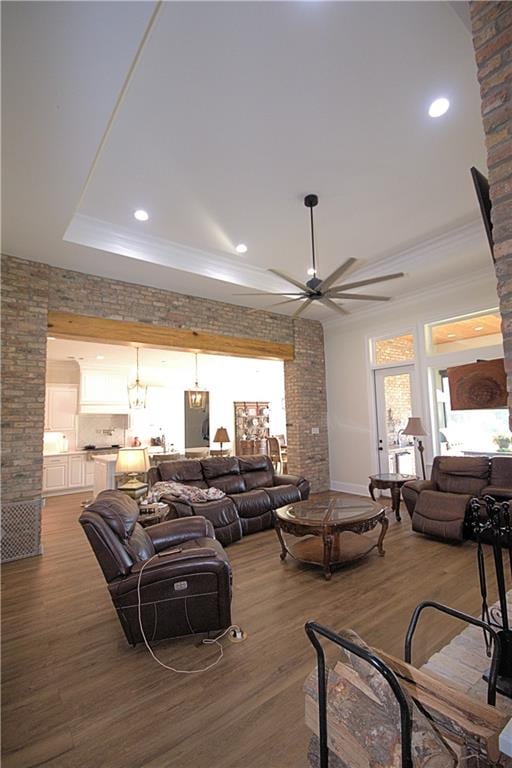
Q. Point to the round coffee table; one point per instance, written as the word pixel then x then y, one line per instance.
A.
pixel 332 529
pixel 392 481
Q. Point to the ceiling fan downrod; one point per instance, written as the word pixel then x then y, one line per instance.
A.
pixel 311 201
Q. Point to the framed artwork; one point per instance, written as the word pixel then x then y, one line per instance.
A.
pixel 478 385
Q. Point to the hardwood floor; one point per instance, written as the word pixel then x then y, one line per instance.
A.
pixel 75 695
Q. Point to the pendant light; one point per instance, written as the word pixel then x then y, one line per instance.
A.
pixel 137 392
pixel 196 396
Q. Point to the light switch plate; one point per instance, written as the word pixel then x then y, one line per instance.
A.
pixel 315 430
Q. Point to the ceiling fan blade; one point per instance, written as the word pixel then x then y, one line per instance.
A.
pixel 347 266
pixel 335 294
pixel 302 308
pixel 266 293
pixel 369 281
pixel 289 279
pixel 289 301
pixel 332 305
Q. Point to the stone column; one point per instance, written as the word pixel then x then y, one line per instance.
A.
pixel 492 41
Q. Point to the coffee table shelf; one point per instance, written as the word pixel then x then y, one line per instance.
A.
pixel 331 533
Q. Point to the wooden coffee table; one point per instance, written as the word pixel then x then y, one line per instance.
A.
pixel 331 531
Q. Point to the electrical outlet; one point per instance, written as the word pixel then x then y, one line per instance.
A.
pixel 315 430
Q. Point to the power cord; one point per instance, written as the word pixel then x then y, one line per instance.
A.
pixel 238 635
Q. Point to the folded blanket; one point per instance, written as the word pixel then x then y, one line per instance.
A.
pixel 188 493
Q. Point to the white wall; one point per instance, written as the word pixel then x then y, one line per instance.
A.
pixel 351 411
pixel 227 379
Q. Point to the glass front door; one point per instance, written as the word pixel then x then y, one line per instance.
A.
pixel 396 402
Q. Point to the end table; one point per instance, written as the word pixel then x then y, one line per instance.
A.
pixel 392 481
pixel 153 513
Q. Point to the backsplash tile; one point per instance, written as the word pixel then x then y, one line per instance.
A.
pixel 101 429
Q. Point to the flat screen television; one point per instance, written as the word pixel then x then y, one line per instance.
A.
pixel 484 201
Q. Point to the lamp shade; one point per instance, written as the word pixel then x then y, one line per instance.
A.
pixel 132 460
pixel 221 436
pixel 414 427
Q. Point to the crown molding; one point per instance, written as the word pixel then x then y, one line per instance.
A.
pixel 432 292
pixel 104 236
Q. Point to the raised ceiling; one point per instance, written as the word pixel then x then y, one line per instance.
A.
pixel 217 118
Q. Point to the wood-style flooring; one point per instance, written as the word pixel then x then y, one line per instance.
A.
pixel 76 695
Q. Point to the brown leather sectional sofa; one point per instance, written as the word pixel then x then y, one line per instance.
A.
pixel 252 489
pixel 439 506
pixel 185 589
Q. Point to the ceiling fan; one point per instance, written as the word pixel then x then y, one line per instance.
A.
pixel 325 291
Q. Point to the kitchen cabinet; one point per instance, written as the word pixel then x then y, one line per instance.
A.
pixel 60 408
pixel 103 390
pixel 55 473
pixel 76 471
pixel 67 472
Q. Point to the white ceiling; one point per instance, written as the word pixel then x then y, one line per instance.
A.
pixel 231 113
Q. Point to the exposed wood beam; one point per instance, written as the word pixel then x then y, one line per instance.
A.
pixel 66 325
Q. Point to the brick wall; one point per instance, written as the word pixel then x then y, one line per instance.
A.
pixel 31 289
pixel 394 349
pixel 492 40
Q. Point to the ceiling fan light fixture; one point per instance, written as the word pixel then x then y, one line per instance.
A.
pixel 311 271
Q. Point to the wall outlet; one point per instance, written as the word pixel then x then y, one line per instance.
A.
pixel 315 430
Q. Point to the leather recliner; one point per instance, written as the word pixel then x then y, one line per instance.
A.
pixel 253 490
pixel 185 590
pixel 440 506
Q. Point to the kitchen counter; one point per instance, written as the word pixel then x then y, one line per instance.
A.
pixel 65 453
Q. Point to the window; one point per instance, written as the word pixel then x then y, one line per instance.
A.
pixel 470 432
pixel 468 332
pixel 394 350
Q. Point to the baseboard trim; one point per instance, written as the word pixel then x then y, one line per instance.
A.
pixel 357 490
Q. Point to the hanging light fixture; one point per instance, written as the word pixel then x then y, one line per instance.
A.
pixel 196 396
pixel 137 392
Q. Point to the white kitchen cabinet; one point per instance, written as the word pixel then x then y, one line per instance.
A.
pixel 103 390
pixel 67 472
pixel 61 407
pixel 76 476
pixel 55 473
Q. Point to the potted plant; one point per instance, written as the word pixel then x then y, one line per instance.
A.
pixel 502 441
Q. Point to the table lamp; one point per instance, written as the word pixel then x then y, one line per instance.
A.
pixel 415 428
pixel 132 462
pixel 221 436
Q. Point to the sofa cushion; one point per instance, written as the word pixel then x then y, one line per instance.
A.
pixel 187 471
pixel 251 503
pixel 441 514
pixel 501 472
pixel 228 483
pixel 461 474
pixel 498 491
pixel 118 510
pixel 258 523
pixel 255 463
pixel 465 466
pixel 283 494
pixel 218 466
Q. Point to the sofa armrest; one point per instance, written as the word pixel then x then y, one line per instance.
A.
pixel 153 476
pixel 299 482
pixel 173 532
pixel 421 485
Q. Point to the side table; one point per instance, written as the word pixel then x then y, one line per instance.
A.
pixel 153 513
pixel 392 481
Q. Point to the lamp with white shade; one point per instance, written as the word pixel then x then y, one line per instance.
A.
pixel 415 428
pixel 133 462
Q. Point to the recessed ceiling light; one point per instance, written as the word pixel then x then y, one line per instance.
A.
pixel 311 271
pixel 141 215
pixel 241 248
pixel 100 357
pixel 451 335
pixel 51 338
pixel 479 328
pixel 439 107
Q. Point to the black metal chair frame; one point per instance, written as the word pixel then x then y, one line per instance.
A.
pixel 313 630
pixel 496 656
